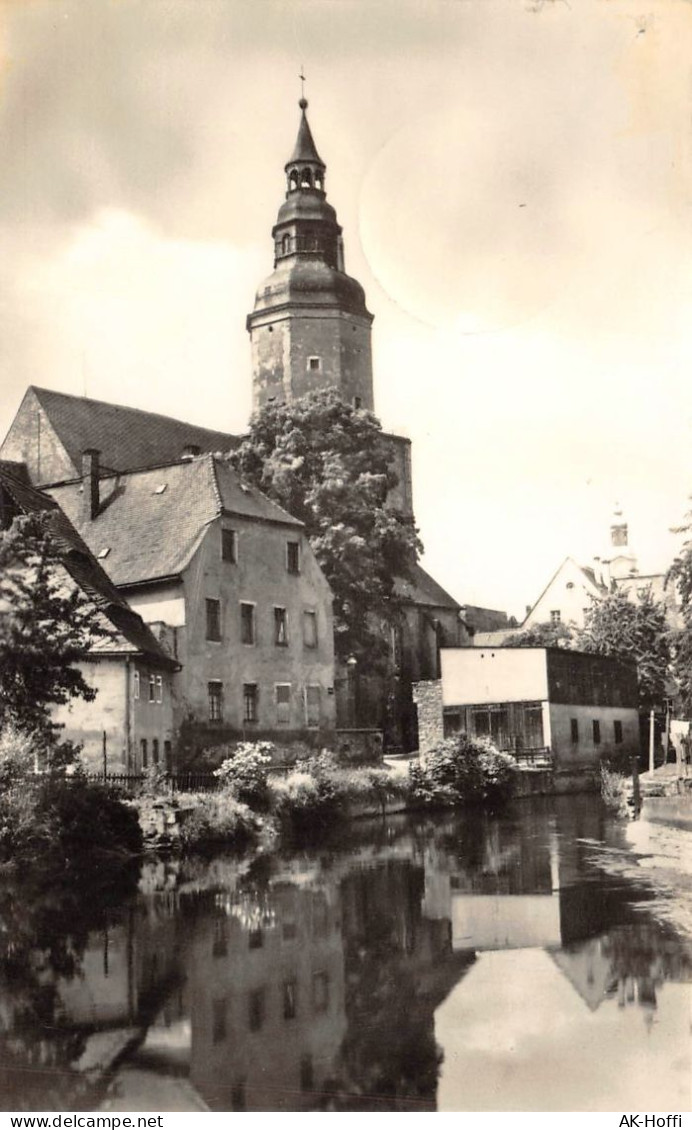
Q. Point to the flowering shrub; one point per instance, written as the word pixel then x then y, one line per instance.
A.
pixel 463 770
pixel 245 773
pixel 218 820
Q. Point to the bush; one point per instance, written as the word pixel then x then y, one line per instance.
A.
pixel 246 771
pixel 58 816
pixel 614 790
pixel 219 820
pixel 463 770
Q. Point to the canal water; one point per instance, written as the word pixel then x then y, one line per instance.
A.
pixel 537 960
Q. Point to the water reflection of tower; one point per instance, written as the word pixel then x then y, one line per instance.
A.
pixel 266 990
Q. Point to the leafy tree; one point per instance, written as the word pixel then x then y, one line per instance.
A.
pixel 680 573
pixel 545 634
pixel 47 626
pixel 329 465
pixel 633 629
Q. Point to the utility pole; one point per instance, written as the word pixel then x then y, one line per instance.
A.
pixel 105 758
pixel 651 743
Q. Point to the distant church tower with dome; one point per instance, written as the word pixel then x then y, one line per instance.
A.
pixel 310 328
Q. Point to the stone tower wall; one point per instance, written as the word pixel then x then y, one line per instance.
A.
pixel 284 343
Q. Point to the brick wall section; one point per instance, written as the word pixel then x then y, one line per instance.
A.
pixel 428 699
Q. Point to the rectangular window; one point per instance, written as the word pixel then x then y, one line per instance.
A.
pixel 215 692
pixel 238 1096
pixel 293 557
pixel 314 364
pixel 312 706
pixel 289 998
pixel 229 546
pixel 555 616
pixel 159 688
pixel 596 732
pixel 280 627
pixel 136 686
pixel 574 730
pixel 213 620
pixel 307 1075
pixel 154 751
pixel 247 623
pixel 357 402
pixel 218 1020
pixel 250 697
pixel 256 1010
pixel 617 727
pixel 320 992
pixel 152 688
pixel 168 756
pixel 283 703
pixel 220 943
pixel 145 755
pixel 309 628
pixel 255 938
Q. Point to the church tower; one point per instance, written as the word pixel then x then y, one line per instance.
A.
pixel 310 328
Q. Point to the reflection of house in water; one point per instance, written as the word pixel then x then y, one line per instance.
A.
pixel 127 970
pixel 266 991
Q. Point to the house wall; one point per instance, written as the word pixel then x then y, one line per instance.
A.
pixel 116 712
pixel 585 751
pixel 165 603
pixel 85 722
pixel 260 577
pixel 484 675
pixel 568 593
pixel 32 440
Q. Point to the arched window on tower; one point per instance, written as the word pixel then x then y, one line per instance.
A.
pixel 285 244
pixel 318 182
pixel 292 180
pixel 306 179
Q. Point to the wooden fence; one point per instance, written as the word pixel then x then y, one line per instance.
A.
pixel 174 782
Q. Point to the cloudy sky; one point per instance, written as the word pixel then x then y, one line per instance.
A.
pixel 514 179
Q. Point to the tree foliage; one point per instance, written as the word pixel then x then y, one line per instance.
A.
pixel 329 465
pixel 680 574
pixel 47 626
pixel 632 629
pixel 545 634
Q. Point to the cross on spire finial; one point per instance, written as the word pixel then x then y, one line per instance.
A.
pixel 303 101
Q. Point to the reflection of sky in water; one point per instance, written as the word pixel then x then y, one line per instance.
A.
pixel 518 1036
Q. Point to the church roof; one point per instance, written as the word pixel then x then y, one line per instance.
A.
pixel 133 635
pixel 422 589
pixel 127 438
pixel 150 522
pixel 304 148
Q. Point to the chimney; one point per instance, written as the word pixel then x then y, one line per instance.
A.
pixel 90 483
pixel 190 451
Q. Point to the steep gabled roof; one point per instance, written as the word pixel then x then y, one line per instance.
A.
pixel 128 438
pixel 150 522
pixel 422 589
pixel 132 633
pixel 587 572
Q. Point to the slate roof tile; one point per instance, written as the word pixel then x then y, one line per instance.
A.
pixel 151 532
pixel 127 438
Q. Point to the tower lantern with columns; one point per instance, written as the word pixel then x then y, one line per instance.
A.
pixel 310 327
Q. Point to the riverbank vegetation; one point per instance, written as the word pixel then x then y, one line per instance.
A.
pixel 255 802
